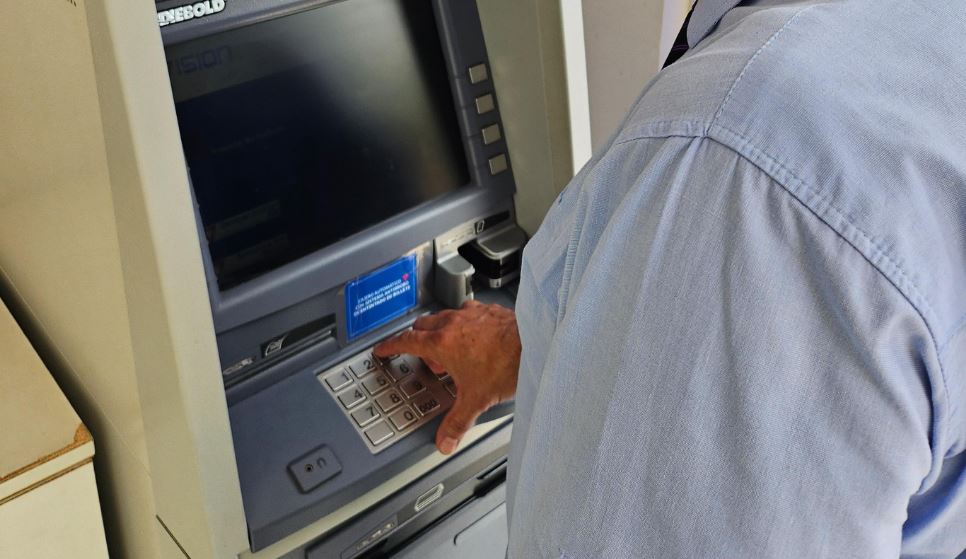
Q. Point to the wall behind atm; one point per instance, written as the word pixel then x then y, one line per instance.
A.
pixel 102 269
pixel 626 43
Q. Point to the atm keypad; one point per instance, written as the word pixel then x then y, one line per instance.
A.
pixel 386 399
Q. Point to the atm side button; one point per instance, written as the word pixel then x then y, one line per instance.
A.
pixel 484 104
pixel 379 433
pixel 491 134
pixel 478 73
pixel 498 164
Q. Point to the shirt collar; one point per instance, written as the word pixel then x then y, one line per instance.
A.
pixel 705 17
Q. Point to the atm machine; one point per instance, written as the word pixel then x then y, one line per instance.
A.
pixel 349 171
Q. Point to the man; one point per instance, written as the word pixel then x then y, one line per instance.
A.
pixel 741 327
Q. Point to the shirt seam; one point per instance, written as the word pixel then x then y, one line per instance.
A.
pixel 715 123
pixel 941 418
pixel 752 60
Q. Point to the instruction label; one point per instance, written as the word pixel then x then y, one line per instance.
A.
pixel 378 297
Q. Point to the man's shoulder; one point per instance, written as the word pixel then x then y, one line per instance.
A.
pixel 685 98
pixel 852 108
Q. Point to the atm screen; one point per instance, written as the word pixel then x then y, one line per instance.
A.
pixel 303 130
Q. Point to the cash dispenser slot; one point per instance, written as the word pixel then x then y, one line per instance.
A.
pixel 483 254
pixel 495 255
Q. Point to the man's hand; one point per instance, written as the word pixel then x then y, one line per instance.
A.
pixel 479 347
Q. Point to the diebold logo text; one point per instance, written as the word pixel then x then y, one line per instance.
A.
pixel 190 11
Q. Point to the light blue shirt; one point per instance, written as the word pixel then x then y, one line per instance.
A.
pixel 743 321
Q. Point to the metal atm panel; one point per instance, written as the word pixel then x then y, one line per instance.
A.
pixel 289 241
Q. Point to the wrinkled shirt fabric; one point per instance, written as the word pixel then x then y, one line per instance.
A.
pixel 744 321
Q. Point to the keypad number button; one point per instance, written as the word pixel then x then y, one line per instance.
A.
pixel 366 415
pixel 412 387
pixel 364 365
pixel 389 401
pixel 352 397
pixel 403 418
pixel 338 380
pixel 399 369
pixel 427 404
pixel 376 383
pixel 379 433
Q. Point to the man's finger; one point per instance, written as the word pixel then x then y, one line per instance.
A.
pixel 457 422
pixel 413 342
pixel 432 321
pixel 435 366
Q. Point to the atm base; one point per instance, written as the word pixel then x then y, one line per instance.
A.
pixel 476 531
pixel 453 495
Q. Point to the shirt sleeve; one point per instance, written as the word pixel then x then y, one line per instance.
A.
pixel 723 375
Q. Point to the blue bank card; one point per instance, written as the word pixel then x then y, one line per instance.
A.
pixel 378 297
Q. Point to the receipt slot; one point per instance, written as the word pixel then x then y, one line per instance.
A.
pixel 454 280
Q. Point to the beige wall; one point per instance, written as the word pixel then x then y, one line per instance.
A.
pixel 56 213
pixel 626 41
pixel 191 455
pixel 100 262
